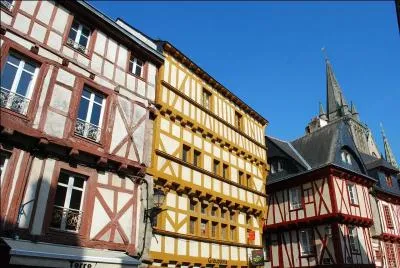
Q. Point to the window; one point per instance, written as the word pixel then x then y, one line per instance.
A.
pixel 3 165
pixel 78 37
pixel 223 231
pixel 196 158
pixel 306 237
pixel 389 180
pixel 273 171
pixel 203 210
pixel 136 66
pixel 225 171
pixel 241 178
pixel 346 157
pixel 295 198
pixel 185 153
pixel 17 81
pixel 391 259
pixel 216 167
pixel 192 206
pixel 206 99
pixel 352 191
pixel 203 228
pixel 214 211
pixel 388 217
pixel 232 233
pixel 232 216
pixel 8 4
pixel 353 240
pixel 308 195
pixel 214 229
pixel 192 225
pixel 248 180
pixel 67 210
pixel 90 115
pixel 279 165
pixel 238 120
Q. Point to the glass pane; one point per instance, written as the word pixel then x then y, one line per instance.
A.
pixel 30 67
pixel 83 109
pixel 60 196
pixel 85 31
pixel 98 98
pixel 78 182
pixel 95 118
pixel 75 199
pixel 86 93
pixel 138 70
pixel 7 76
pixel 75 25
pixel 63 178
pixel 24 83
pixel 83 40
pixel 13 59
pixel 72 34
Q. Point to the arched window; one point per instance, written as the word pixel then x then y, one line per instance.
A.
pixel 346 157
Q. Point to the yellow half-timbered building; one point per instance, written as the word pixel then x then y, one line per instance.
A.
pixel 210 159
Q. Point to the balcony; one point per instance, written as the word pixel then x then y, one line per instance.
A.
pixel 66 219
pixel 87 130
pixel 14 101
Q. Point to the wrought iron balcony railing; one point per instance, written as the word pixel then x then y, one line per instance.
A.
pixel 76 45
pixel 87 130
pixel 67 219
pixel 14 101
pixel 6 4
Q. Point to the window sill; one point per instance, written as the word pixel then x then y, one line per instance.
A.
pixel 295 209
pixel 309 255
pixel 137 77
pixel 87 140
pixel 354 205
pixel 86 55
pixel 16 114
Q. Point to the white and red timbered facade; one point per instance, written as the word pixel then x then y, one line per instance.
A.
pixel 76 130
pixel 319 218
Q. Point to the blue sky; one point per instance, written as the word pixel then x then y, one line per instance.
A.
pixel 269 54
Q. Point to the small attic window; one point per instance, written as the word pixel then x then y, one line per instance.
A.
pixel 346 157
pixel 276 166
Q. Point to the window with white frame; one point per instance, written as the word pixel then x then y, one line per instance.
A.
pixel 8 4
pixel 90 115
pixel 17 82
pixel 136 66
pixel 346 157
pixel 67 209
pixel 306 237
pixel 4 157
pixel 352 191
pixel 79 36
pixel 353 240
pixel 295 198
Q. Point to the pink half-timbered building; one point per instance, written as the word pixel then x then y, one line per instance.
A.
pixel 77 93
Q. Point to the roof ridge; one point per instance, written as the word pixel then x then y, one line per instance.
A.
pixel 299 155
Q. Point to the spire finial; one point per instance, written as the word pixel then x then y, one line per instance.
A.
pixel 323 49
pixel 389 156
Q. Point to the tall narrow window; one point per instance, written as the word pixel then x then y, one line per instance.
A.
pixel 3 165
pixel 17 81
pixel 192 206
pixel 352 191
pixel 238 120
pixel 216 167
pixel 206 99
pixel 225 171
pixel 248 181
pixel 203 228
pixel 223 232
pixel 78 37
pixel 232 233
pixel 196 158
pixel 306 242
pixel 388 217
pixel 67 210
pixel 391 259
pixel 353 240
pixel 192 226
pixel 389 180
pixel 214 229
pixel 185 153
pixel 90 115
pixel 295 198
pixel 241 178
pixel 136 66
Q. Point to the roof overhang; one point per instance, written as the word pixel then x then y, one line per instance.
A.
pixel 28 253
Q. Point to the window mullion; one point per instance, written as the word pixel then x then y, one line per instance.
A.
pixel 17 77
pixel 67 202
pixel 78 34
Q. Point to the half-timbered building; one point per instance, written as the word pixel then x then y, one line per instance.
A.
pixel 75 136
pixel 210 158
pixel 320 210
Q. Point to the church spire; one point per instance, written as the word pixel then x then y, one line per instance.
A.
pixel 336 104
pixel 322 113
pixel 389 156
pixel 354 112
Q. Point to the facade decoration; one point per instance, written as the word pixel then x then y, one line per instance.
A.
pixel 75 136
pixel 332 199
pixel 210 159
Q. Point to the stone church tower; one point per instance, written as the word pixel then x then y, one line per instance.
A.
pixel 338 109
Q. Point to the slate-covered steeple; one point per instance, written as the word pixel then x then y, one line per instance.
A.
pixel 336 104
pixel 389 156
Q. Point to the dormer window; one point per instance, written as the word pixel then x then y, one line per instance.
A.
pixel 78 37
pixel 346 157
pixel 136 66
pixel 276 166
